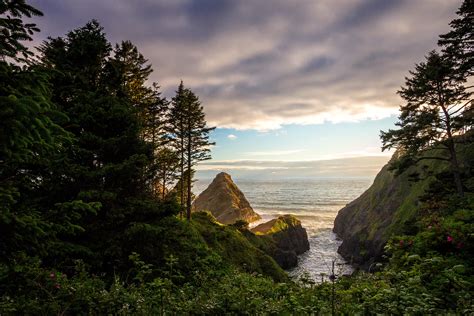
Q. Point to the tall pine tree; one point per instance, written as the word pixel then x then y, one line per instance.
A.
pixel 191 138
pixel 430 119
pixel 110 161
pixel 458 46
pixel 458 43
pixel 32 143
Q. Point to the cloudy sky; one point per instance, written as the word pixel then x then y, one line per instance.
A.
pixel 298 81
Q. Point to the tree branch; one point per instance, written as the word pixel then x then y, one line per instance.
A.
pixel 464 105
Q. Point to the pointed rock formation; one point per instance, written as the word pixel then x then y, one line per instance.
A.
pixel 225 201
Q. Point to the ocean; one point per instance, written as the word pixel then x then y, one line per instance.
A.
pixel 316 203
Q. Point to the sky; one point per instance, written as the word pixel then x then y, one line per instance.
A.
pixel 290 85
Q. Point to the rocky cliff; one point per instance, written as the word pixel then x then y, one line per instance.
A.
pixel 235 247
pixel 389 207
pixel 225 201
pixel 289 239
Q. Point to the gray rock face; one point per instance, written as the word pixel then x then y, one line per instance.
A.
pixel 225 201
pixel 289 236
pixel 388 208
pixel 364 223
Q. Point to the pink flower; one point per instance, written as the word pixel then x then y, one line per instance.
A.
pixel 57 286
pixel 401 243
pixel 449 239
pixel 52 275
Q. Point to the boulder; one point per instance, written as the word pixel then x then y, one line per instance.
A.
pixel 289 237
pixel 225 201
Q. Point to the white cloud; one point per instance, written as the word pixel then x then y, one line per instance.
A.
pixel 231 136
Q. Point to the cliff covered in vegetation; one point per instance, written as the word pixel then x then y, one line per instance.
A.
pixel 391 205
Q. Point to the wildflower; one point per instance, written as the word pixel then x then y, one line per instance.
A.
pixel 52 275
pixel 57 286
pixel 401 243
pixel 449 239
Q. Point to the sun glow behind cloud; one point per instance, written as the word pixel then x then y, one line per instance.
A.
pixel 345 167
pixel 257 66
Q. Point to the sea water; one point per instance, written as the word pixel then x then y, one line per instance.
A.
pixel 313 201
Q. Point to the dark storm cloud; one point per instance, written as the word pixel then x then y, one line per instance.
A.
pixel 260 64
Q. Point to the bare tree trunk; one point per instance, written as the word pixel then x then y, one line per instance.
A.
pixel 163 188
pixel 453 155
pixel 455 167
pixel 181 185
pixel 188 202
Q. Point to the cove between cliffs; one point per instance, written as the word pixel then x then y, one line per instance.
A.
pixel 313 201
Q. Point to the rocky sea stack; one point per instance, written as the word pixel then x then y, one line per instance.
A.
pixel 225 201
pixel 289 237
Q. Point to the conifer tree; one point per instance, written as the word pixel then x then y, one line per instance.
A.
pixel 155 132
pixel 110 161
pixel 32 142
pixel 458 43
pixel 128 72
pixel 197 141
pixel 167 164
pixel 191 138
pixel 14 31
pixel 176 129
pixel 458 46
pixel 434 96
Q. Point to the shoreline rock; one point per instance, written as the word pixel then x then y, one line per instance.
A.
pixel 283 238
pixel 224 200
pixel 289 237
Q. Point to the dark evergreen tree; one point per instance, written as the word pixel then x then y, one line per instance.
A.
pixel 155 132
pixel 110 161
pixel 458 46
pixel 176 130
pixel 32 143
pixel 167 165
pixel 459 42
pixel 191 138
pixel 197 140
pixel 433 113
pixel 128 72
pixel 14 31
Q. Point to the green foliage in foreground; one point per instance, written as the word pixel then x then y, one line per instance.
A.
pixel 389 292
pixel 429 272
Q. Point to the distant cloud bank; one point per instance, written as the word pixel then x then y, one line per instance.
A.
pixel 344 167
